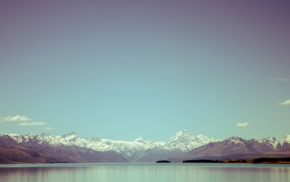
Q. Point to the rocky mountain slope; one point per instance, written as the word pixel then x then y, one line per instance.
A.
pixel 33 150
pixel 239 148
pixel 11 152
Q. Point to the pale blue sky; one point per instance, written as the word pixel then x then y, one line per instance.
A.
pixel 121 70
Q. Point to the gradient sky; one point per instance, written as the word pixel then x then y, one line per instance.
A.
pixel 124 69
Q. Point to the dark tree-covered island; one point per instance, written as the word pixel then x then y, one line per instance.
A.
pixel 163 161
pixel 274 160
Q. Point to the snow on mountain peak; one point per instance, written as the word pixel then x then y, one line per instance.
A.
pixel 45 135
pixel 31 135
pixel 139 139
pixel 185 141
pixel 287 138
pixel 12 134
pixel 143 140
pixel 70 136
pixel 182 133
pixel 235 139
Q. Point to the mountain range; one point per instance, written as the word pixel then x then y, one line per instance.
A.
pixel 72 148
pixel 45 148
pixel 234 148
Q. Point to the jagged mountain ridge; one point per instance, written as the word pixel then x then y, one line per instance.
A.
pixel 139 150
pixel 72 148
pixel 239 148
pixel 34 150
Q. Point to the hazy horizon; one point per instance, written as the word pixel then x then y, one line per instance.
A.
pixel 128 69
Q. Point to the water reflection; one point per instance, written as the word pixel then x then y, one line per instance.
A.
pixel 145 173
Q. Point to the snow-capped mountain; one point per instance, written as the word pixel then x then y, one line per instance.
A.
pixel 238 148
pixel 276 143
pixel 139 150
pixel 34 149
pixel 184 141
pixel 72 148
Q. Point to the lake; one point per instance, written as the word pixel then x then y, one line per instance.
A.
pixel 144 172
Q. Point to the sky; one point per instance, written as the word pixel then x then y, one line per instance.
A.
pixel 126 69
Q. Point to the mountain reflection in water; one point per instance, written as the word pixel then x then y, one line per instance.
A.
pixel 145 173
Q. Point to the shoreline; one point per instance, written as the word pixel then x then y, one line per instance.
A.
pixel 263 160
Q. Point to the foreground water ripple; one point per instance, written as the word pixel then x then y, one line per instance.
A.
pixel 144 173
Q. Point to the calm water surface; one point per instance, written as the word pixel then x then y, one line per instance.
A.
pixel 145 173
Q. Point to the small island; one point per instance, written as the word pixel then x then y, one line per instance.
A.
pixel 163 161
pixel 202 161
